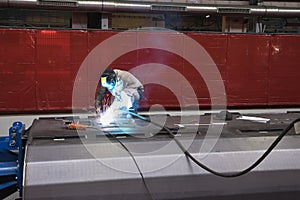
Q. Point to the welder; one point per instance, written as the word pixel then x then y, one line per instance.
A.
pixel 126 89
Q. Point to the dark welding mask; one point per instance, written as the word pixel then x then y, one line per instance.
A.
pixel 108 79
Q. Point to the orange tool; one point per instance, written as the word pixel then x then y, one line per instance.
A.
pixel 73 126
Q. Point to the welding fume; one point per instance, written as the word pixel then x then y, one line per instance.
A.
pixel 126 91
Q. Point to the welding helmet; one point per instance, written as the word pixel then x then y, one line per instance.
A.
pixel 108 79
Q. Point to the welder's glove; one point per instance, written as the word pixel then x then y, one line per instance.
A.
pixel 98 111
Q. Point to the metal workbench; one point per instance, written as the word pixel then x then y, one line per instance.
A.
pixel 92 163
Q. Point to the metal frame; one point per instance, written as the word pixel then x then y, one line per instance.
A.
pixel 11 160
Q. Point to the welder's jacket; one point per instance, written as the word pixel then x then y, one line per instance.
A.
pixel 125 82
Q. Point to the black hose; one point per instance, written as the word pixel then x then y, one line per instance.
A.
pixel 226 175
pixel 136 164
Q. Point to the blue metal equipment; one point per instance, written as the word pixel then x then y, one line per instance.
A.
pixel 11 160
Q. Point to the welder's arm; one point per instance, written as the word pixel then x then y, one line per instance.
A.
pixel 99 97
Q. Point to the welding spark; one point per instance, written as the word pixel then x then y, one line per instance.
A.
pixel 118 109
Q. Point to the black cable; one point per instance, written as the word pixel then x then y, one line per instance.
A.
pixel 136 164
pixel 226 175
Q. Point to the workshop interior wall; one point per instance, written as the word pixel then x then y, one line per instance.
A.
pixel 38 69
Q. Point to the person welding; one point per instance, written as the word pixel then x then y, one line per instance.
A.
pixel 126 90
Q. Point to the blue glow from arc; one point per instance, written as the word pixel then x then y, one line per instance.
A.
pixel 105 84
pixel 118 109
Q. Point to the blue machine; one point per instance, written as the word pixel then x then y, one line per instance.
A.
pixel 11 160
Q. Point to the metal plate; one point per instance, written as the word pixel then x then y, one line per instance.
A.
pixel 99 168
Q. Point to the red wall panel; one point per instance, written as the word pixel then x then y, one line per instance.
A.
pixel 17 70
pixel 216 47
pixel 54 72
pixel 38 68
pixel 59 56
pixel 214 44
pixel 284 70
pixel 247 69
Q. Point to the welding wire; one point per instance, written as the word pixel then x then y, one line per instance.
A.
pixel 136 164
pixel 225 175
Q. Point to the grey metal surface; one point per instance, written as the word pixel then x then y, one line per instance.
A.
pixel 77 172
pixel 94 166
